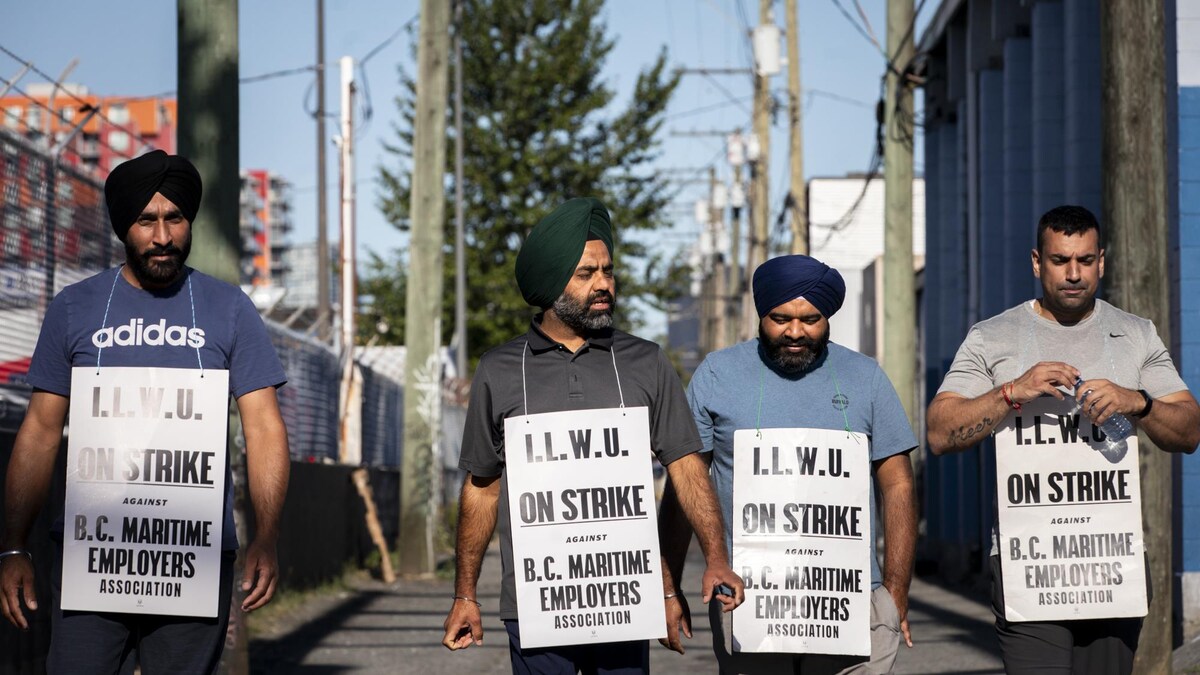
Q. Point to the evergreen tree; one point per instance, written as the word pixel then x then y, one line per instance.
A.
pixel 537 130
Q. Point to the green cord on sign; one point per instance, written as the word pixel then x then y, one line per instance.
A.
pixel 838 388
pixel 836 385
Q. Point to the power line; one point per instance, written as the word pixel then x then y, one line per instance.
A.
pixel 708 108
pixel 127 154
pixel 858 27
pixel 71 94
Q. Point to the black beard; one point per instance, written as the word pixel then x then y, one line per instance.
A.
pixel 787 362
pixel 153 273
pixel 580 317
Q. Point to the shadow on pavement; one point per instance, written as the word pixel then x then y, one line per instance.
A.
pixel 285 653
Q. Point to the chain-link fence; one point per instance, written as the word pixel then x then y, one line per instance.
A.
pixel 54 231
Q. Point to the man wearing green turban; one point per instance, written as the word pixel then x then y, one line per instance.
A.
pixel 572 359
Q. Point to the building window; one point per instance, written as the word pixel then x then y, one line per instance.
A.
pixel 33 118
pixel 118 114
pixel 118 140
pixel 12 116
pixel 68 114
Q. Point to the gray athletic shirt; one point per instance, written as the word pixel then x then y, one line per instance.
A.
pixel 1109 344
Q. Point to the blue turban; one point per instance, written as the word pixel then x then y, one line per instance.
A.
pixel 783 279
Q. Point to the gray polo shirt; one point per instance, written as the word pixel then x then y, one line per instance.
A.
pixel 558 380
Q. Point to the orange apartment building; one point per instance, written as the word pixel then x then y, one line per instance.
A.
pixel 124 127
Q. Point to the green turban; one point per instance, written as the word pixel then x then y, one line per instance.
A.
pixel 552 250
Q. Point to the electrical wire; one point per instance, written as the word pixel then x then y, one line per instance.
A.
pixel 70 94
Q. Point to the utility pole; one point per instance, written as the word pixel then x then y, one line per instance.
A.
pixel 323 309
pixel 716 227
pixel 737 200
pixel 208 128
pixel 207 73
pixel 423 311
pixel 460 252
pixel 350 400
pixel 899 283
pixel 1133 118
pixel 799 198
pixel 760 213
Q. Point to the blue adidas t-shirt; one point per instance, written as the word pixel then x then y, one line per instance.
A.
pixel 156 329
pixel 735 389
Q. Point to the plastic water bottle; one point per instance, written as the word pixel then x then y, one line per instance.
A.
pixel 1116 429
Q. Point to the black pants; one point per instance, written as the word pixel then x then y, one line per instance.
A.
pixel 609 658
pixel 107 643
pixel 1087 647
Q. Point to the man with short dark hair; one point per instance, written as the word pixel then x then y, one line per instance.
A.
pixel 571 359
pixel 157 314
pixel 1042 348
pixel 791 377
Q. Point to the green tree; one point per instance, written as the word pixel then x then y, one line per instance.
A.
pixel 537 129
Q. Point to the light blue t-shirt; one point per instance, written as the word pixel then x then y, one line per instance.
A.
pixel 842 387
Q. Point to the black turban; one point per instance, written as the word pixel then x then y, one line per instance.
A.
pixel 552 250
pixel 783 279
pixel 132 185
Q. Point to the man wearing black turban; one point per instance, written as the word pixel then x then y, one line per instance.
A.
pixel 154 314
pixel 572 359
pixel 792 377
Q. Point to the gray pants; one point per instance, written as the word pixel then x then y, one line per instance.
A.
pixel 1092 646
pixel 885 645
pixel 107 643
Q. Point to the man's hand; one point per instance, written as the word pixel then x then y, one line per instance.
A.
pixel 464 626
pixel 721 574
pixel 16 578
pixel 1044 378
pixel 679 620
pixel 900 597
pixel 1101 399
pixel 261 574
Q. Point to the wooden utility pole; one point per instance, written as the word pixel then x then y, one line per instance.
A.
pixel 207 74
pixel 761 211
pixel 421 465
pixel 460 253
pixel 208 128
pixel 1133 118
pixel 350 393
pixel 323 310
pixel 799 197
pixel 716 226
pixel 733 317
pixel 899 283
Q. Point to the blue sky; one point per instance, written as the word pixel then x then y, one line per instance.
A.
pixel 127 47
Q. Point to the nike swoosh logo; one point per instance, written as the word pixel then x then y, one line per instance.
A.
pixel 1116 335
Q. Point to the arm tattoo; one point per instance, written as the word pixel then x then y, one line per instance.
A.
pixel 961 435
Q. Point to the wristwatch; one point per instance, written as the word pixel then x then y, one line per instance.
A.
pixel 1149 404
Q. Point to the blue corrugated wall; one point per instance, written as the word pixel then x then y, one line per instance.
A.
pixel 1189 301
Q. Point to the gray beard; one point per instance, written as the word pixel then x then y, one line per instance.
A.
pixel 579 317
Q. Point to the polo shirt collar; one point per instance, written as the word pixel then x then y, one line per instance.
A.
pixel 540 342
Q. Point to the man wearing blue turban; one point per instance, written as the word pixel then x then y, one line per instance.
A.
pixel 571 360
pixel 791 377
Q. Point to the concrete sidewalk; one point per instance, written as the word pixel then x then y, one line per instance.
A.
pixel 397 628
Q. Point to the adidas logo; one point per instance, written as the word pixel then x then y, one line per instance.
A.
pixel 136 334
